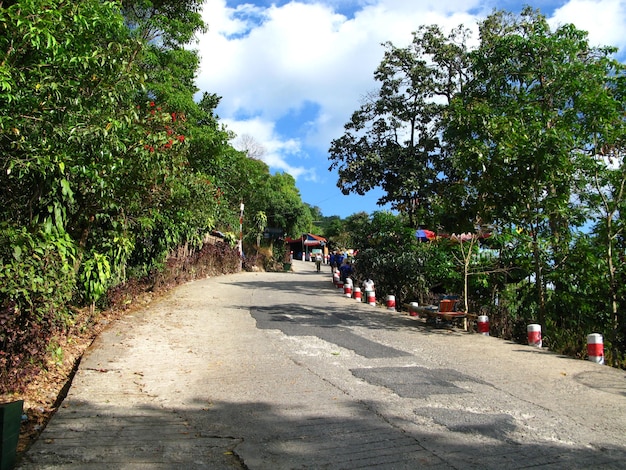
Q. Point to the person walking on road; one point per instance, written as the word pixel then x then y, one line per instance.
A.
pixel 318 262
pixel 346 270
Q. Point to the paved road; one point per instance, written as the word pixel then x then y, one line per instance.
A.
pixel 281 371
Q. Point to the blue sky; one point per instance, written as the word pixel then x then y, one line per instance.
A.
pixel 290 73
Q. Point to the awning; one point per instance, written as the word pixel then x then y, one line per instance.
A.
pixel 313 240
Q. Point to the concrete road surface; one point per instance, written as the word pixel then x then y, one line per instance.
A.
pixel 281 371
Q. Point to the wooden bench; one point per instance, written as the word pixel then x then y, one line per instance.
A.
pixel 446 311
pixel 422 310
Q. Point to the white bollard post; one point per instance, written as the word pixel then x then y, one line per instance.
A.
pixel 391 303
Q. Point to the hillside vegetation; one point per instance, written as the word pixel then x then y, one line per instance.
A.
pixel 110 170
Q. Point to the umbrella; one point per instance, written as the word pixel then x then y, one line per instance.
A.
pixel 463 237
pixel 425 235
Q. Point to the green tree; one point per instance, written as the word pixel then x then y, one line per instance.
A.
pixel 177 203
pixel 389 254
pixel 517 124
pixel 65 118
pixel 318 226
pixel 356 230
pixel 601 185
pixel 334 226
pixel 165 28
pixel 68 120
pixel 259 221
pixel 236 176
pixel 393 140
pixel 285 208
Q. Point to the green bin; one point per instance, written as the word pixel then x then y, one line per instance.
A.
pixel 10 421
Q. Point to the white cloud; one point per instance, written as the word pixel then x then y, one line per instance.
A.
pixel 306 52
pixel 603 19
pixel 268 62
pixel 276 149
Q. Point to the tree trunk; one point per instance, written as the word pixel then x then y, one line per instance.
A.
pixel 541 300
pixel 612 291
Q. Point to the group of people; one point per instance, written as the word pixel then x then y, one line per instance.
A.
pixel 337 261
pixel 341 262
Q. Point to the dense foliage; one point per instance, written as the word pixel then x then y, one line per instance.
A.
pixel 108 165
pixel 521 137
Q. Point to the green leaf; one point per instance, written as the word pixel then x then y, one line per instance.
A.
pixel 17 252
pixel 65 189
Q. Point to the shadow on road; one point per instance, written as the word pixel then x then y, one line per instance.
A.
pixel 296 320
pixel 287 316
pixel 258 435
pixel 310 285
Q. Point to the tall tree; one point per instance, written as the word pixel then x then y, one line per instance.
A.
pixel 601 184
pixel 86 153
pixel 68 117
pixel 166 28
pixel 285 208
pixel 517 124
pixel 181 204
pixel 393 139
pixel 65 117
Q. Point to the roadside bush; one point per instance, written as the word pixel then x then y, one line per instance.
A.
pixel 252 262
pixel 256 257
pixel 36 282
pixel 186 264
pixel 217 259
pixel 399 274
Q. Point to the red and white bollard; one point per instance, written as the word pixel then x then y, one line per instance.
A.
pixel 483 325
pixel 534 335
pixel 595 348
pixel 357 294
pixel 391 302
pixel 370 295
pixel 413 309
pixel 347 289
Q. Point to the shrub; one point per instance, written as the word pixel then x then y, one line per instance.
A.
pixel 36 282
